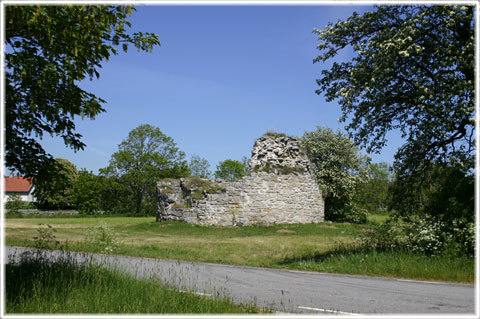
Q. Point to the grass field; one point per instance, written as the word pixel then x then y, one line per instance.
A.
pixel 36 286
pixel 303 247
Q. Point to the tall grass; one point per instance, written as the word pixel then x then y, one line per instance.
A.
pixel 63 286
pixel 387 263
pixel 314 247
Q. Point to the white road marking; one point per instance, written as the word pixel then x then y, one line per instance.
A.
pixel 425 282
pixel 329 311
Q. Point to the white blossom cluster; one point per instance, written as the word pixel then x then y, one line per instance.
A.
pixel 104 237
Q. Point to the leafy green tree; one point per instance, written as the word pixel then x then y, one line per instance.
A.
pixel 373 195
pixel 116 195
pixel 199 167
pixel 144 157
pixel 231 170
pixel 246 165
pixel 338 169
pixel 50 49
pixel 413 71
pixel 445 193
pixel 88 192
pixel 55 191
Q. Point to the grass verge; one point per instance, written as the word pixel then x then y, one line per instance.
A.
pixel 313 247
pixel 63 286
pixel 394 264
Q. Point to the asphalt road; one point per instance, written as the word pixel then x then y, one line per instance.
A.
pixel 294 291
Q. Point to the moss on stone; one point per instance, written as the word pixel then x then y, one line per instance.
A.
pixel 278 169
pixel 182 205
pixel 195 182
pixel 197 194
pixel 275 134
pixel 167 189
pixel 200 186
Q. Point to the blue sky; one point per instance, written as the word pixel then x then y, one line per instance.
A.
pixel 222 77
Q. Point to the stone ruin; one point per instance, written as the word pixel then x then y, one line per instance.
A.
pixel 279 189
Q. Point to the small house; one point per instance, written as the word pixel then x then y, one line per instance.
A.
pixel 20 186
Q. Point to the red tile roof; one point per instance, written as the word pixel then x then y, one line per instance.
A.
pixel 17 184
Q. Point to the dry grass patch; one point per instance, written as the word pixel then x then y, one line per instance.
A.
pixel 286 231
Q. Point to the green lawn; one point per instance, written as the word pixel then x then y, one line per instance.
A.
pixel 303 247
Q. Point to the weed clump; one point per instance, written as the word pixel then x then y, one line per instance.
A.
pixel 279 169
pixel 200 186
pixel 275 134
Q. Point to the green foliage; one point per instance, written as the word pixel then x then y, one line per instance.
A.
pixel 373 195
pixel 199 167
pixel 331 247
pixel 88 192
pixel 50 49
pixel 184 205
pixel 200 187
pixel 55 191
pixel 338 170
pixel 196 182
pixel 413 71
pixel 275 134
pixel 427 236
pixel 446 192
pixel 103 237
pixel 462 235
pixel 65 286
pixel 14 204
pixel 144 157
pixel 231 170
pixel 359 260
pixel 46 238
pixel 281 169
pixel 116 196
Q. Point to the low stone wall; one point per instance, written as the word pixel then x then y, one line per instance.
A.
pixel 45 212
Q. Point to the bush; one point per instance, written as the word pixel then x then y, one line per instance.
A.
pixel 427 236
pixel 349 213
pixel 104 238
pixel 14 204
pixel 463 237
pixel 46 238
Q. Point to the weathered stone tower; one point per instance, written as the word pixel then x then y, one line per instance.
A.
pixel 278 189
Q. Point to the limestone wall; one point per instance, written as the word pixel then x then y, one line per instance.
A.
pixel 279 189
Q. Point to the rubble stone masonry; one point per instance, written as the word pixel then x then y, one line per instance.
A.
pixel 279 189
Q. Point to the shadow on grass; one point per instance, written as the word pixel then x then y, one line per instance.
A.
pixel 386 262
pixel 339 251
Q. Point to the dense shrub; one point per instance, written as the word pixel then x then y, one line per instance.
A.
pixel 427 236
pixel 14 204
pixel 350 213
